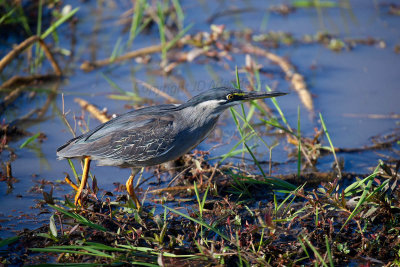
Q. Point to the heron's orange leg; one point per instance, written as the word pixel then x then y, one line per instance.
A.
pixel 72 184
pixel 131 190
pixel 85 174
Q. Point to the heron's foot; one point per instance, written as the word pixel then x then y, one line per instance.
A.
pixel 78 194
pixel 78 197
pixel 131 192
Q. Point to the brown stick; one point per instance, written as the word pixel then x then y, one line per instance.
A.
pixel 17 81
pixel 25 44
pixel 92 110
pixel 158 91
pixel 89 66
pixel 50 57
pixel 8 170
pixel 175 188
pixel 16 51
pixel 296 79
pixel 11 97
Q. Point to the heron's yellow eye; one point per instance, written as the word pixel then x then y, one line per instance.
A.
pixel 229 97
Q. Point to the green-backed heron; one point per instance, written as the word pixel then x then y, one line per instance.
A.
pixel 153 135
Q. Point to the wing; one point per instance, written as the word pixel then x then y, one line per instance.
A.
pixel 150 140
pixel 132 137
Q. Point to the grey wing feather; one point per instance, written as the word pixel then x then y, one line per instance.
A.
pixel 133 137
pixel 136 146
pixel 133 119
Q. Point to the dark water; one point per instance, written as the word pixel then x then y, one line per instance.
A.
pixel 346 87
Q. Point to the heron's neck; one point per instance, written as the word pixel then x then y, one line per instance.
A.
pixel 202 113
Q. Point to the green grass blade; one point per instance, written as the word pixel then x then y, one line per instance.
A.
pixel 198 198
pixel 269 180
pixel 178 37
pixel 73 170
pixel 7 241
pixel 23 20
pixel 154 252
pixel 278 108
pixel 113 84
pixel 255 160
pixel 39 19
pixel 161 29
pixel 4 17
pixel 232 153
pixel 97 252
pixel 116 49
pixel 313 3
pixel 179 12
pixel 331 145
pixel 66 250
pixel 139 263
pixel 299 145
pixel 316 253
pixel 29 140
pixel 205 196
pixel 363 197
pixel 60 21
pixel 237 78
pixel 38 32
pixel 247 124
pixel 136 18
pixel 233 150
pixel 251 112
pixel 100 246
pixel 79 218
pixel 277 125
pixel 328 251
pixel 359 183
pixel 209 227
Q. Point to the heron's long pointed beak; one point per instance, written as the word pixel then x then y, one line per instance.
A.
pixel 260 95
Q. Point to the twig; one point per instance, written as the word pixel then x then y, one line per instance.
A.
pixel 157 91
pixel 50 57
pixel 229 12
pixel 10 98
pixel 213 173
pixel 16 51
pixel 50 97
pixel 28 118
pixel 175 188
pixel 295 78
pixel 25 44
pixel 177 176
pixel 92 110
pixel 8 170
pixel 64 116
pixel 17 81
pixel 89 66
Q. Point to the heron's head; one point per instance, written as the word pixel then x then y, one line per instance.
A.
pixel 221 98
